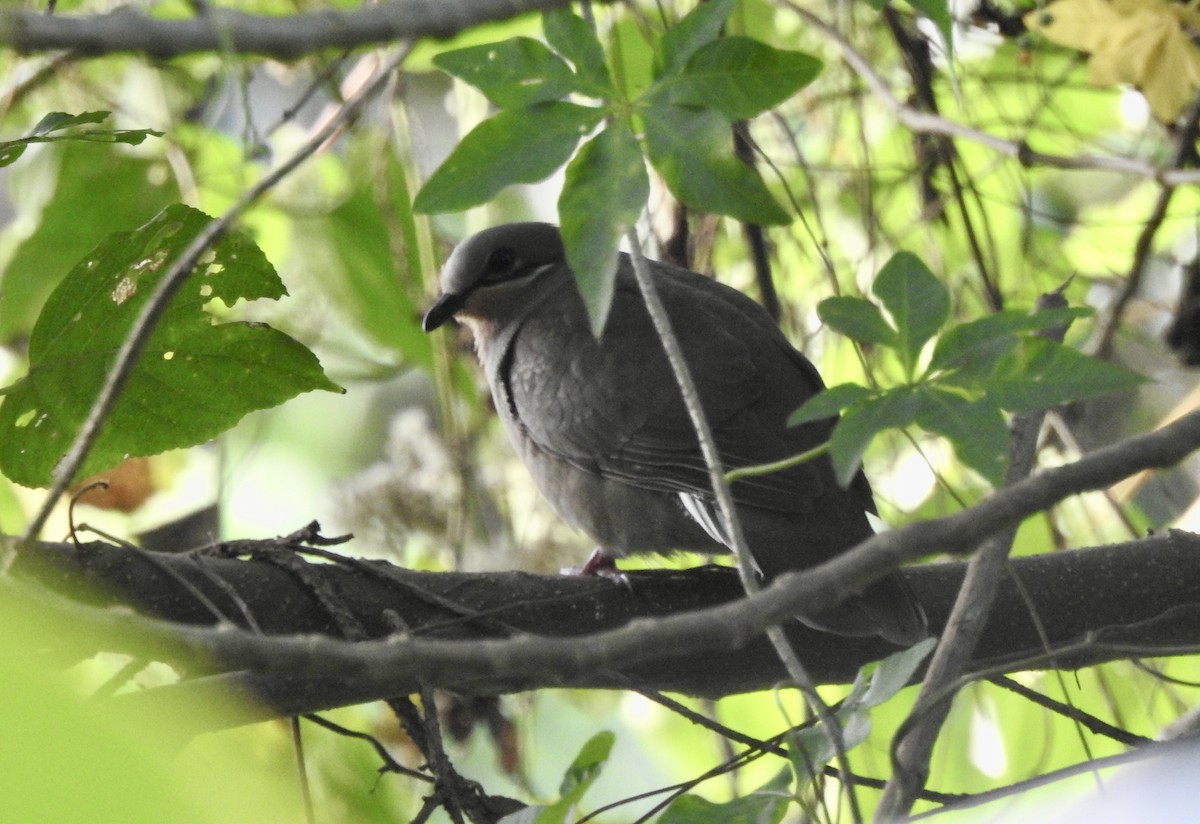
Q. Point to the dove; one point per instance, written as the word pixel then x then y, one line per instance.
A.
pixel 601 425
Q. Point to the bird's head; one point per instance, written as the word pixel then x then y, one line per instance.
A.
pixel 486 275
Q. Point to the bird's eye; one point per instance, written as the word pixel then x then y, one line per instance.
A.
pixel 499 263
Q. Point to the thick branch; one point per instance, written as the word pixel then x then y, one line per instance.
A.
pixel 1143 591
pixel 226 30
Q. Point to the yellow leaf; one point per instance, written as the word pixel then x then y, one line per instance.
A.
pixel 1141 42
pixel 1077 24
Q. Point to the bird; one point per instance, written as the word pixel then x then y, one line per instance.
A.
pixel 601 425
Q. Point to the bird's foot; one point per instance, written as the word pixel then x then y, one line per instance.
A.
pixel 599 563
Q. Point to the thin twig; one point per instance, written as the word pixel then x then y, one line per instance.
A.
pixel 1184 154
pixel 725 505
pixel 913 746
pixel 918 121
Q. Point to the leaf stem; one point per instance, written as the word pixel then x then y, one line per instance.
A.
pixel 775 466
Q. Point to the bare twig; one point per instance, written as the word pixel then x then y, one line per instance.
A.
pixel 725 505
pixel 1184 155
pixel 913 746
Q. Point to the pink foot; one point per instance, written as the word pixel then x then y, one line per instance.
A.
pixel 599 564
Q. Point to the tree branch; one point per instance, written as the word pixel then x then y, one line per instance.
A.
pixel 688 632
pixel 227 30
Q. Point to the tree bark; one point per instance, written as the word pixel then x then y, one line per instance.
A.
pixel 1118 601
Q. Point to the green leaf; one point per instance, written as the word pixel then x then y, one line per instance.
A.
pixel 1040 374
pixel 574 39
pixel 860 423
pixel 194 379
pixel 990 337
pixel 11 150
pixel 584 770
pixel 858 319
pixel 516 146
pixel 975 428
pixel 73 193
pixel 54 121
pixel 603 193
pixel 917 302
pixel 693 151
pixel 701 25
pixel 828 403
pixel 893 673
pixel 517 72
pixel 810 749
pixel 738 76
pixel 766 805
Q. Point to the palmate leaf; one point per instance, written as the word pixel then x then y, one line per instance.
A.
pixel 195 379
pixel 1040 374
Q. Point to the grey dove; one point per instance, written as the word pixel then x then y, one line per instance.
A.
pixel 602 428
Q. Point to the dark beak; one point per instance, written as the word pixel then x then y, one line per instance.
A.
pixel 442 310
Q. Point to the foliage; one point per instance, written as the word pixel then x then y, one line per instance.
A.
pixel 195 379
pixel 699 85
pixel 977 370
pixel 928 341
pixel 11 150
pixel 1149 43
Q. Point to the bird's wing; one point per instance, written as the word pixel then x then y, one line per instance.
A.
pixel 613 407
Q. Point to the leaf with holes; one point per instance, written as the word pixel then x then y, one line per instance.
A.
pixel 195 379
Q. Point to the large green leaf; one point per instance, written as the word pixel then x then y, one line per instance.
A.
pixel 738 76
pixel 603 194
pixel 693 151
pixel 985 339
pixel 515 146
pixel 194 379
pixel 517 72
pixel 917 301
